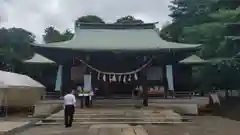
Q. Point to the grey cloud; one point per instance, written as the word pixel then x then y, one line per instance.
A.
pixel 36 15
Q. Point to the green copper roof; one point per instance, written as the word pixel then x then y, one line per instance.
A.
pixel 37 58
pixel 194 59
pixel 113 37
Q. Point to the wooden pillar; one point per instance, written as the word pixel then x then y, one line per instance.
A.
pixel 165 83
pixel 87 99
pixel 66 79
pixel 143 81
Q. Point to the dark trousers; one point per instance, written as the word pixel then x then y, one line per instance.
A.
pixel 68 115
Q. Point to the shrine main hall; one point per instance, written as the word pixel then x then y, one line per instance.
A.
pixel 121 57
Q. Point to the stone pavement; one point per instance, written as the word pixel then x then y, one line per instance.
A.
pixel 99 129
pixel 201 125
pixel 56 130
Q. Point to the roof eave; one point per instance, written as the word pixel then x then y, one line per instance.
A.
pixel 189 48
pixel 39 59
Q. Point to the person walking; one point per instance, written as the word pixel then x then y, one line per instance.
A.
pixel 69 108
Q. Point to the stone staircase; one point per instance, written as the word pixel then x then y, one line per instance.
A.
pixel 116 129
pixel 118 115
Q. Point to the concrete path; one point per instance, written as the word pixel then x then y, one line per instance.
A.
pixel 201 125
pixel 6 126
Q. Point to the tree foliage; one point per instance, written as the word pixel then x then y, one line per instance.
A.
pixel 52 35
pixel 15 45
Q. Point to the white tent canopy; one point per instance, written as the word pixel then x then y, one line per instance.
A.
pixel 18 90
pixel 9 79
pixel 2 85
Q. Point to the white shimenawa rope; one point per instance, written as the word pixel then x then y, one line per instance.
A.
pixel 112 73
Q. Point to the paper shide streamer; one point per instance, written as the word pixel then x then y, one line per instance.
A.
pixel 114 77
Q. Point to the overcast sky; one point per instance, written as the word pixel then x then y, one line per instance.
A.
pixel 36 15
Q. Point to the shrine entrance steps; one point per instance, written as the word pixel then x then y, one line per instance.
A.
pixel 118 115
pixel 116 129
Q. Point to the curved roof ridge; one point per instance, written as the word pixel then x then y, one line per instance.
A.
pixel 82 25
pixel 127 39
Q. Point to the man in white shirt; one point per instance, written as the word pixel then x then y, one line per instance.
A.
pixel 69 108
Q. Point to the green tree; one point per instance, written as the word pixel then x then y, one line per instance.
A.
pixel 186 13
pixel 52 35
pixel 15 45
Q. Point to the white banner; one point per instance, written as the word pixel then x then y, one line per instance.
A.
pixel 169 72
pixel 87 83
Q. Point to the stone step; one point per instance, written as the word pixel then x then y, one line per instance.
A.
pixel 118 111
pixel 121 117
pixel 115 115
pixel 114 120
pixel 116 129
pixel 116 105
pixel 119 122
